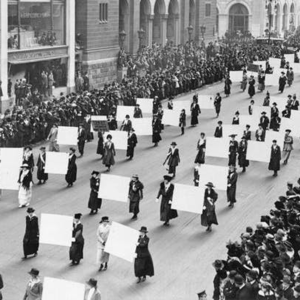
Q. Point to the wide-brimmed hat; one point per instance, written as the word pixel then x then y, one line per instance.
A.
pixel 173 144
pixel 104 219
pixel 77 216
pixel 43 148
pixel 232 135
pixel 220 122
pixel 143 229
pixel 288 130
pixel 203 293
pixel 95 173
pixel 210 184
pixel 34 272
pixel 237 113
pixel 92 282
pixel 30 210
pixel 263 113
pixel 168 177
pixel 72 149
pixel 135 176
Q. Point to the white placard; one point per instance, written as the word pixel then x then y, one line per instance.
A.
pixel 289 58
pixel 11 156
pixel 233 129
pixel 258 151
pixel 275 62
pixel 60 289
pixel 122 111
pixel 98 118
pixel 121 241
pixel 217 147
pixel 292 124
pixel 171 117
pixel 146 105
pixel 236 76
pixel 119 138
pixel 281 103
pixel 56 230
pixel 271 80
pixel 296 67
pixel 251 120
pixel 260 63
pixel 274 135
pixel 113 187
pixel 257 110
pixel 67 135
pixel 215 174
pixel 206 101
pixel 188 198
pixel 142 126
pixel 183 104
pixel 57 163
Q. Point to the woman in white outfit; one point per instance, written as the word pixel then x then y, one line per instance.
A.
pixel 25 189
pixel 102 235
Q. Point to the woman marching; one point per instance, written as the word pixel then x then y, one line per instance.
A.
pixel 173 159
pixel 71 175
pixel 201 146
pixel 76 249
pixel 109 153
pixel 94 202
pixel 242 152
pixel 261 81
pixel 25 189
pixel 251 89
pixel 227 87
pixel 143 264
pixel 208 216
pixel 182 121
pixel 41 175
pixel 102 235
pixel 195 111
pixel 244 81
pixel 100 149
pixel 217 104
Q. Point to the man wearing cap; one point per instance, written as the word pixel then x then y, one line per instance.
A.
pixel 92 293
pixel 287 146
pixel 31 237
pixel 135 195
pixel 81 139
pixel 274 164
pixel 219 130
pixel 131 143
pixel 264 120
pixel 76 249
pixel 282 82
pixel 126 124
pixel 41 175
pixel 231 185
pixel 102 236
pixel 34 288
pixel 202 295
pixel 195 111
pixel 94 202
pixel 233 148
pixel 52 137
pixel 173 159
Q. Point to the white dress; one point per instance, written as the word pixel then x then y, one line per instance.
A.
pixel 102 235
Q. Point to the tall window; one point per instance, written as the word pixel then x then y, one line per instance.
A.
pixel 238 18
pixel 103 12
pixel 207 9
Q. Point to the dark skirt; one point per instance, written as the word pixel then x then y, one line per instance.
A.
pixel 156 137
pixel 100 148
pixel 71 175
pixel 251 90
pixel 130 151
pixel 143 266
pixel 41 175
pixel 134 207
pixel 232 159
pixel 231 191
pixel 243 162
pixel 30 246
pixel 200 157
pixel 76 251
pixel 208 218
pixel 94 201
pixel 194 120
pixel 166 212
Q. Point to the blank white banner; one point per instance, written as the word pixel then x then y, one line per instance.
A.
pixel 113 187
pixel 119 138
pixel 289 58
pixel 257 110
pixel 60 289
pixel 274 62
pixel 272 79
pixel 274 135
pixel 215 174
pixel 121 241
pixel 206 101
pixel 57 163
pixel 142 126
pixel 236 76
pixel 229 129
pixel 260 63
pixel 292 124
pixel 188 198
pixel 146 105
pixel 251 120
pixel 56 230
pixel 171 117
pixel 258 151
pixel 217 147
pixel 122 111
pixel 281 103
pixel 296 67
pixel 67 135
pixel 182 104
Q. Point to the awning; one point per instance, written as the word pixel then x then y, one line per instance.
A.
pixel 27 61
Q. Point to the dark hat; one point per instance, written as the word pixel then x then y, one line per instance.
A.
pixel 274 103
pixel 290 184
pixel 167 177
pixel 77 216
pixel 297 288
pixel 274 141
pixel 263 113
pixel 232 135
pixel 104 219
pixel 43 148
pixel 253 274
pixel 73 149
pixel 127 117
pixel 34 272
pixel 248 126
pixel 173 144
pixel 203 293
pixel 289 96
pixel 210 184
pixel 132 129
pixel 135 176
pixel 144 229
pixel 218 263
pixel 25 166
pixel 220 122
pixel 288 130
pixel 232 274
pixel 92 282
pixel 237 113
pixel 238 279
pixel 30 210
pixel 95 173
pixel 109 136
pixel 282 73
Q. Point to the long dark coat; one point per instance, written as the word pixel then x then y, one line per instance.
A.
pixel 156 130
pixel 227 87
pixel 217 104
pixel 282 83
pixel 143 264
pixel 131 143
pixel 94 201
pixel 81 140
pixel 195 111
pixel 200 157
pixel 242 151
pixel 233 148
pixel 208 215
pixel 218 132
pixel 135 195
pixel 100 148
pixel 109 153
pixel 231 190
pixel 274 164
pixel 166 213
pixel 31 237
pixel 76 249
pixel 71 175
pixel 251 89
pixel 41 175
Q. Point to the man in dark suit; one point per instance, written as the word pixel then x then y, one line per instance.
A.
pixel 244 291
pixel 219 130
pixel 81 139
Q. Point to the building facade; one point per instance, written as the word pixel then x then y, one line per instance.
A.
pixel 255 16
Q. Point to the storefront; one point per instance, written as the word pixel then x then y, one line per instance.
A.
pixel 39 37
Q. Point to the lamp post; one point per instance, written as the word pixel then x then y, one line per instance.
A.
pixel 141 35
pixel 190 30
pixel 203 30
pixel 122 36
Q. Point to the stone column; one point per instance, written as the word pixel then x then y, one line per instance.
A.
pixel 149 30
pixel 177 29
pixel 70 39
pixel 223 24
pixel 134 26
pixel 163 29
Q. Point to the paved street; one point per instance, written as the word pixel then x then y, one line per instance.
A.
pixel 182 253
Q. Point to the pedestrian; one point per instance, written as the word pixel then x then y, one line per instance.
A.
pixel 41 163
pixel 34 288
pixel 217 104
pixel 261 81
pixel 247 133
pixel 166 191
pixel 236 118
pixel 196 174
pixel 143 264
pixel 231 185
pixel 294 103
pixel 244 81
pixel 244 291
pixel 135 195
pixel 227 86
pixel 250 107
pixel 290 76
pixel 71 175
pixel 170 103
pixel 182 121
pixel 242 154
pixel 156 130
pixel 230 289
pixel 25 188
pixel 92 293
pixel 264 121
pixel 202 295
pixel 76 249
pixel 201 147
pixel 102 236
pixel 131 143
pixel 31 237
pixel 208 216
pixel 260 134
pixel 81 139
pixel 287 112
pixel 251 89
pixel 267 99
pixel 233 149
pixel 109 153
pixel 100 148
pixel 112 122
pixel 137 112
pixel 266 292
pixel 274 164
pixel 282 82
pixel 219 130
pixel 173 159
pixel 126 124
pixel 195 111
pixel 287 146
pixel 52 137
pixel 219 278
pixel 94 201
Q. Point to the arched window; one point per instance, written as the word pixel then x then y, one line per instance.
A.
pixel 238 18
